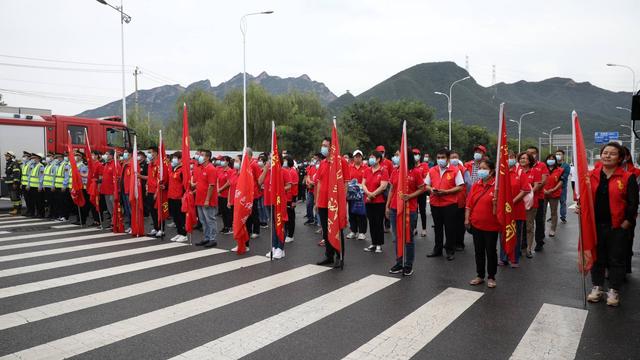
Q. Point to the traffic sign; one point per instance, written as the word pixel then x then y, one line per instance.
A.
pixel 603 137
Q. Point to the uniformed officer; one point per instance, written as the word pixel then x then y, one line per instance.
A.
pixel 12 179
pixel 51 164
pixel 34 186
pixel 25 169
pixel 83 169
pixel 62 184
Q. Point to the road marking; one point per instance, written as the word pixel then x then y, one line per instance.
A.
pixel 87 259
pixel 38 235
pixel 65 226
pixel 83 302
pixel 572 207
pixel 267 331
pixel 28 224
pixel 98 245
pixel 12 221
pixel 57 241
pixel 8 217
pixel 4 232
pixel 98 274
pixel 109 334
pixel 554 334
pixel 408 336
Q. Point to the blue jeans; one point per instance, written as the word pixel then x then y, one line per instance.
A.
pixel 410 247
pixel 310 202
pixel 520 237
pixel 124 200
pixel 207 216
pixel 563 202
pixel 262 211
pixel 274 238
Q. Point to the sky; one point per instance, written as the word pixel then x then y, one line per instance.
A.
pixel 348 45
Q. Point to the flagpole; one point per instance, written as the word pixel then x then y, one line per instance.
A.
pixel 79 216
pixel 582 273
pixel 273 208
pixel 160 191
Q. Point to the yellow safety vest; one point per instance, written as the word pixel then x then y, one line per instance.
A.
pixel 24 179
pixel 47 179
pixel 34 178
pixel 59 182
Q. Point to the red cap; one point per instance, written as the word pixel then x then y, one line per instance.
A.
pixel 415 151
pixel 380 148
pixel 481 148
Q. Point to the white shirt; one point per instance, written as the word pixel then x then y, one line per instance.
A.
pixel 459 179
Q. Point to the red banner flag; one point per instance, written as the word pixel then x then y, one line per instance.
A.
pixel 587 242
pixel 92 181
pixel 188 202
pixel 242 204
pixel 504 210
pixel 135 196
pixel 278 199
pixel 403 215
pixel 162 195
pixel 117 220
pixel 76 180
pixel 337 206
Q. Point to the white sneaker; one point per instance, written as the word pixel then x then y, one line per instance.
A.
pixel 362 237
pixel 595 295
pixel 288 239
pixel 351 235
pixel 61 219
pixel 613 298
pixel 171 225
pixel 175 238
pixel 128 231
pixel 378 249
pixel 235 248
pixel 424 233
pixel 273 250
pixel 159 233
pixel 182 239
pixel 254 236
pixel 153 232
pixel 278 254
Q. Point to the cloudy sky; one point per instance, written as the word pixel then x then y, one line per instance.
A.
pixel 347 44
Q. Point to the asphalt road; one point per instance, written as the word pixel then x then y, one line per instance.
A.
pixel 72 292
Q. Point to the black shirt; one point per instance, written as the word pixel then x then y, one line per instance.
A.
pixel 601 201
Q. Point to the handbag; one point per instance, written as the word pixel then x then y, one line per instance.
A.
pixel 527 199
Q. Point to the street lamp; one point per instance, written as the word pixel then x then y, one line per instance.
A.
pixel 449 98
pixel 519 122
pixel 124 18
pixel 550 133
pixel 633 136
pixel 633 91
pixel 243 30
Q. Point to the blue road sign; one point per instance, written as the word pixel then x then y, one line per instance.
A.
pixel 603 137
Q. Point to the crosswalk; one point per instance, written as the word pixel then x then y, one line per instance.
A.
pixel 49 277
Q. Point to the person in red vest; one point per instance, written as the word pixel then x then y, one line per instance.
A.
pixel 538 190
pixel 423 165
pixel 455 161
pixel 309 181
pixel 175 193
pixel 444 181
pixel 291 187
pixel 389 166
pixel 224 171
pixel 553 191
pixel 534 177
pixel 106 181
pixel 357 222
pixel 615 204
pixel 480 219
pixel 207 198
pixel 374 184
pixel 125 184
pixel 628 165
pixel 479 154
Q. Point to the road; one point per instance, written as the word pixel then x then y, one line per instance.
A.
pixel 66 291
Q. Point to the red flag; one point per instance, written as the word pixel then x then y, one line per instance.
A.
pixel 117 221
pixel 278 199
pixel 92 182
pixel 588 242
pixel 135 196
pixel 403 215
pixel 337 206
pixel 504 210
pixel 76 180
pixel 242 204
pixel 162 196
pixel 188 202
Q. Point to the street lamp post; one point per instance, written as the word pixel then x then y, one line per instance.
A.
pixel 633 91
pixel 550 133
pixel 243 30
pixel 519 122
pixel 124 18
pixel 633 136
pixel 449 104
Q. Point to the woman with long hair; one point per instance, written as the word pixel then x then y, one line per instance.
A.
pixel 553 191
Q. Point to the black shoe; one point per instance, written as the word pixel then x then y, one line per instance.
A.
pixel 450 257
pixel 549 220
pixel 538 248
pixel 200 243
pixel 434 254
pixel 76 223
pixel 407 271
pixel 338 264
pixel 396 269
pixel 309 222
pixel 563 220
pixel 210 244
pixel 326 261
pixel 459 248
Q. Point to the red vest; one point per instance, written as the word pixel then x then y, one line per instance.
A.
pixel 617 192
pixel 446 182
pixel 462 194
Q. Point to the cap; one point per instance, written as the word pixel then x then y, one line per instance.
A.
pixel 26 153
pixel 40 155
pixel 357 152
pixel 481 148
pixel 380 148
pixel 110 152
pixel 58 155
pixel 50 153
pixel 10 153
pixel 415 151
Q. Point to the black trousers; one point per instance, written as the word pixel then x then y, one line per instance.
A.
pixel 540 224
pixel 444 221
pixel 63 203
pixel 253 222
pixel 329 251
pixel 375 214
pixel 225 212
pixel 84 211
pixel 358 223
pixel 629 250
pixel 460 229
pixel 611 255
pixel 422 209
pixel 50 203
pixel 27 199
pixel 485 244
pixel 37 203
pixel 177 215
pixel 290 225
pixel 150 203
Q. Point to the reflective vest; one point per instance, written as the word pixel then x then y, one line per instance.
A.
pixel 47 178
pixel 34 176
pixel 445 182
pixel 60 173
pixel 24 179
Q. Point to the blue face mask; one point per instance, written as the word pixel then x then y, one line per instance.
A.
pixel 372 161
pixel 285 165
pixel 454 162
pixel 66 158
pixel 483 174
pixel 236 165
pixel 125 156
pixel 396 160
pixel 324 151
pixel 551 162
pixel 223 163
pixel 477 156
pixel 201 159
pixel 442 162
pixel 174 162
pixel 512 162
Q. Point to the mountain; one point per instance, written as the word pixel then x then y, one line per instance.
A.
pixel 160 102
pixel 552 100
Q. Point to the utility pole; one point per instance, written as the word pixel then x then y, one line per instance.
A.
pixel 137 72
pixel 493 81
pixel 466 63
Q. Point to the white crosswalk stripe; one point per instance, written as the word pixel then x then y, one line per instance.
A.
pixel 54 241
pixel 235 346
pixel 108 334
pixel 67 226
pixel 38 235
pixel 404 339
pixel 4 232
pixel 28 255
pixel 553 334
pixel 7 217
pixel 40 223
pixel 83 302
pixel 12 221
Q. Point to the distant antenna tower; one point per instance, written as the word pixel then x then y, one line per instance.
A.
pixel 466 63
pixel 493 81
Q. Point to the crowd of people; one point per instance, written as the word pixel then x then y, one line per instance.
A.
pixel 461 196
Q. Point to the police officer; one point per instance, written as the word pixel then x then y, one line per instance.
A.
pixel 12 179
pixel 62 184
pixel 83 169
pixel 34 186
pixel 25 168
pixel 47 184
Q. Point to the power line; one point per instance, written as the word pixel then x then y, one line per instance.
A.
pixel 103 71
pixel 57 84
pixel 59 61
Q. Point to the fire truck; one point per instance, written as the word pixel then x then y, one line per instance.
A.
pixel 37 131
